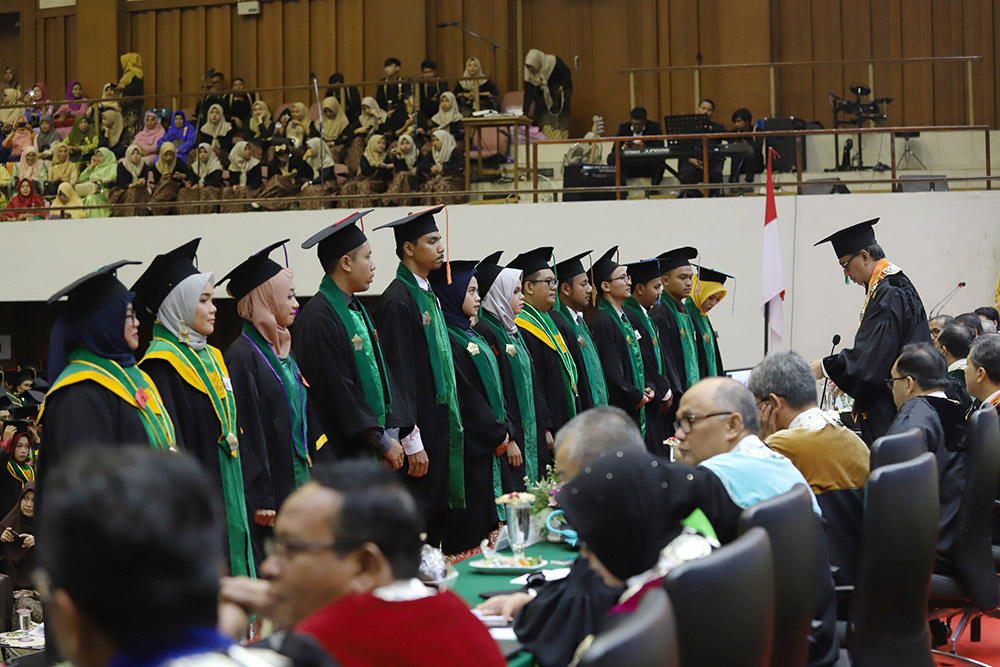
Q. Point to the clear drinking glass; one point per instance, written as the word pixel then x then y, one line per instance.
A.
pixel 519 527
pixel 24 620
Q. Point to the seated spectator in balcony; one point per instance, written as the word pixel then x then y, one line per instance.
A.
pixel 25 198
pixel 750 165
pixel 21 138
pixel 170 174
pixel 132 185
pixel 638 127
pixel 318 169
pixel 108 100
pixel 430 91
pixel 65 201
pixel 260 128
pixel 216 131
pixel 404 119
pixel 213 95
pixel 10 79
pixel 240 104
pixel 207 183
pixel 299 127
pixel 390 94
pixel 444 171
pixel 467 90
pixel 406 177
pixel 990 318
pixel 284 177
pixel 181 135
pixel 97 180
pixel 448 118
pixel 372 122
pixel 131 84
pixel 348 96
pixel 46 138
pixel 113 135
pixel 10 114
pixel 61 170
pixel 375 172
pixel 338 130
pixel 67 112
pixel 548 84
pixel 691 170
pixel 245 176
pixel 32 168
pixel 148 139
pixel 38 97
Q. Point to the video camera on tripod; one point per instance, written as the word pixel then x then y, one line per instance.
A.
pixel 856 112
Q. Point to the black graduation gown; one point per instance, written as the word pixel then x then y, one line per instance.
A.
pixel 549 370
pixel 326 359
pixel 614 352
pixel 225 141
pixel 942 422
pixel 894 318
pixel 10 486
pixel 673 359
pixel 513 478
pixel 125 176
pixel 585 400
pixel 466 528
pixel 660 384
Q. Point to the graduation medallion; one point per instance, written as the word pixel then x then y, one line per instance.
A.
pixel 425 318
pixel 473 349
pixel 233 443
pixel 683 332
pixel 705 337
pixel 511 349
pixel 582 341
pixel 358 342
pixel 628 339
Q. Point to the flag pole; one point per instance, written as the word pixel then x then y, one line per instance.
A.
pixel 767 327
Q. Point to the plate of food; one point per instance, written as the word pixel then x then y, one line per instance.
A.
pixel 508 564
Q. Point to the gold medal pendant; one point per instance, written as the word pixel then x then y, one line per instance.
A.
pixel 511 350
pixel 582 341
pixel 473 349
pixel 233 443
pixel 425 318
pixel 358 342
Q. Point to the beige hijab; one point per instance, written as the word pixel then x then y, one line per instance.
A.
pixel 470 85
pixel 254 123
pixel 447 147
pixel 29 171
pixel 62 170
pixel 8 116
pixel 333 127
pixel 260 306
pixel 411 155
pixel 298 130
pixel 69 192
pixel 212 164
pixel 216 130
pixel 162 165
pixel 117 125
pixel 372 121
pixel 445 118
pixel 544 64
pixel 321 158
pixel 371 150
pixel 239 164
pixel 134 169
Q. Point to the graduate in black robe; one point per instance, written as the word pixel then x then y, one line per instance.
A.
pixel 553 362
pixel 646 287
pixel 708 291
pixel 575 292
pixel 418 354
pixel 480 398
pixel 15 473
pixel 892 317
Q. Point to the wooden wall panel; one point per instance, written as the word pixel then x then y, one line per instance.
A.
pixel 393 28
pixel 244 55
pixel 71 67
pixel 270 36
pixel 684 50
pixel 323 39
pixel 192 55
pixel 735 32
pixel 143 33
pixel 663 29
pixel 219 45
pixel 793 43
pixel 168 48
pixel 918 79
pixel 350 40
pixel 826 45
pixel 295 49
pixel 978 31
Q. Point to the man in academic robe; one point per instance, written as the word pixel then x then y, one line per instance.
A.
pixel 646 288
pixel 574 294
pixel 338 351
pixel 918 379
pixel 618 342
pixel 982 374
pixel 892 317
pixel 417 352
pixel 557 371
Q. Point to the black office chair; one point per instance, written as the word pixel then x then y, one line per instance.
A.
pixel 791 525
pixel 887 624
pixel 973 590
pixel 898 448
pixel 844 515
pixel 732 589
pixel 647 638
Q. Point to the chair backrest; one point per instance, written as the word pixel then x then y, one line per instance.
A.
pixel 898 447
pixel 731 591
pixel 974 530
pixel 792 528
pixel 888 617
pixel 844 515
pixel 647 638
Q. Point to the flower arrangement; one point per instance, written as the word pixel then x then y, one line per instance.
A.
pixel 544 499
pixel 516 498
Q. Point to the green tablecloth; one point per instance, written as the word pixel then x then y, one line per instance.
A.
pixel 471 583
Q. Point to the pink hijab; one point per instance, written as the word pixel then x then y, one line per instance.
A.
pixel 259 308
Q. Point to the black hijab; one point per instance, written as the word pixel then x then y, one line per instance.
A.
pixel 19 563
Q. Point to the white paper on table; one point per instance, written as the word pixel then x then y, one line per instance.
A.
pixel 503 634
pixel 550 575
pixel 38 630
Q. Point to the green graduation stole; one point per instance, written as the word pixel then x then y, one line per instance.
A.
pixel 443 371
pixel 541 326
pixel 705 333
pixel 591 359
pixel 128 383
pixel 489 372
pixel 646 323
pixel 688 344
pixel 22 473
pixel 206 371
pixel 520 367
pixel 634 357
pixel 367 352
pixel 286 371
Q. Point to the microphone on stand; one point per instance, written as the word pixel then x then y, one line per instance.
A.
pixel 826 381
pixel 939 306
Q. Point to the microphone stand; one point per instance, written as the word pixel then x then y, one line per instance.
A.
pixel 319 105
pixel 489 41
pixel 939 306
pixel 826 380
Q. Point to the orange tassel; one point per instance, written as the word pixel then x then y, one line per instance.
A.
pixel 447 244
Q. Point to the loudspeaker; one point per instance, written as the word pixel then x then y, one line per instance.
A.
pixel 826 188
pixel 588 176
pixel 785 146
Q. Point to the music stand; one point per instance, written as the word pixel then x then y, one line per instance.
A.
pixel 689 123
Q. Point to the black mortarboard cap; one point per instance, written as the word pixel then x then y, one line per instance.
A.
pixel 164 273
pixel 440 275
pixel 25 412
pixel 41 384
pixel 711 275
pixel 93 291
pixel 338 239
pixel 487 271
pixel 672 259
pixel 20 376
pixel 533 261
pixel 570 268
pixel 253 272
pixel 644 270
pixel 852 239
pixel 413 226
pixel 604 267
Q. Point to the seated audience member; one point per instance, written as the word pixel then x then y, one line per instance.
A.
pixel 319 172
pixel 298 127
pixel 475 86
pixel 990 318
pixel 19 468
pixel 972 321
pixel 348 96
pixel 213 95
pixel 284 177
pixel 371 122
pixel 954 342
pixel 337 130
pixel 447 118
pixel 38 98
pixel 406 179
pixel 717 426
pixel 430 91
pixel 170 174
pixel 181 134
pixel 17 539
pixel 982 374
pixel 261 127
pixel 691 170
pixel 404 119
pixel 240 104
pixel 65 203
pixel 750 165
pixel 26 198
pixel 245 176
pixel 11 114
pixel 148 139
pixel 935 324
pixel 30 167
pixel 639 126
pixel 375 172
pixel 109 100
pixel 67 113
pixel 207 182
pixel 113 135
pixel 61 170
pixel 390 94
pixel 20 139
pixel 443 172
pixel 169 567
pixel 131 186
pixel 918 379
pixel 217 131
pixel 48 136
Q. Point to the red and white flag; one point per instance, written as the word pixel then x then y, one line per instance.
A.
pixel 773 282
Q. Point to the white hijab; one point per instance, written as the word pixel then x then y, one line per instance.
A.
pixel 471 84
pixel 497 300
pixel 321 158
pixel 445 118
pixel 203 169
pixel 411 155
pixel 447 147
pixel 372 121
pixel 544 64
pixel 177 311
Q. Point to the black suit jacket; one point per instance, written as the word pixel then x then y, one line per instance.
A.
pixel 652 128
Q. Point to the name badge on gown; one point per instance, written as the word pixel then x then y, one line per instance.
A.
pixel 358 342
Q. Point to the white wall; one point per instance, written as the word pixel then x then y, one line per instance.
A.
pixel 938 239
